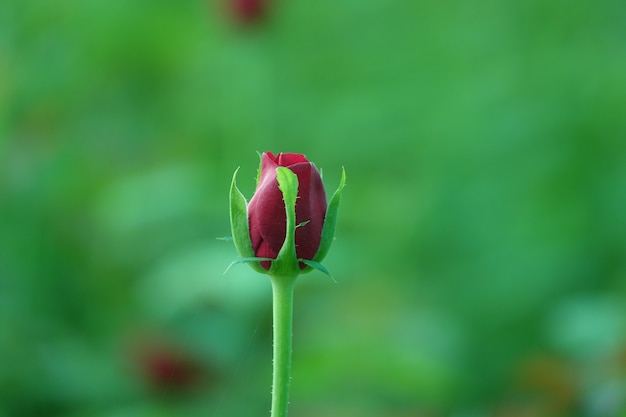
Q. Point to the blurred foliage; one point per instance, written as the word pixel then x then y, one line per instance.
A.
pixel 481 248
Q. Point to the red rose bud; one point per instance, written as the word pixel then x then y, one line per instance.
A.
pixel 287 227
pixel 266 211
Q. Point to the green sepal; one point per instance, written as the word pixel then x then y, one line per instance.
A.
pixel 330 221
pixel 252 261
pixel 316 265
pixel 286 263
pixel 258 171
pixel 239 224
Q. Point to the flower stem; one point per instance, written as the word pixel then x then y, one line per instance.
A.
pixel 282 291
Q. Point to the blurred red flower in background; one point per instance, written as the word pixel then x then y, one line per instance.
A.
pixel 247 11
pixel 167 367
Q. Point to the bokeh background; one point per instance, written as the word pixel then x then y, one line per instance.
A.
pixel 480 255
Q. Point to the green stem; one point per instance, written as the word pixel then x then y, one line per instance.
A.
pixel 282 291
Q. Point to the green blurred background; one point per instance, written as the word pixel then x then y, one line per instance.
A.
pixel 480 256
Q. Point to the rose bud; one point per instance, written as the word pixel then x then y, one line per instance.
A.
pixel 266 211
pixel 287 227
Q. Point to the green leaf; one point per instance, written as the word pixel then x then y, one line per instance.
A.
pixel 239 224
pixel 330 222
pixel 286 262
pixel 318 266
pixel 252 261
